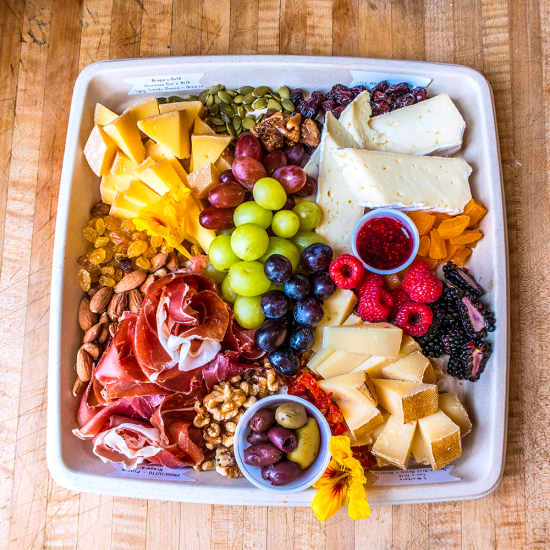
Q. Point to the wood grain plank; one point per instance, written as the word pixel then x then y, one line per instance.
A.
pixel 319 27
pixel 375 533
pixel 243 27
pixel 375 37
pixel 467 32
pixel 478 523
pixel 129 529
pixel 156 26
pixel 407 24
pixel 215 27
pixel 281 528
pixel 445 529
pixel 197 533
pixel 227 527
pixel 439 31
pixel 308 532
pixel 125 29
pixel 96 32
pixel 186 28
pixel 292 38
pixel 61 518
pixel 268 26
pixel 340 531
pixel 163 525
pixel 410 525
pixel 255 528
pixel 345 28
pixel 95 521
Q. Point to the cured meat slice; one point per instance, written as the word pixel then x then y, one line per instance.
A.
pixel 238 343
pixel 222 368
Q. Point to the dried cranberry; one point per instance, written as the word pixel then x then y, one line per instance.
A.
pixel 404 100
pixel 338 111
pixel 310 108
pixel 329 105
pixel 358 89
pixel 309 149
pixel 337 88
pixel 379 108
pixel 419 93
pixel 318 96
pixel 399 89
pixel 296 96
pixel 379 96
pixel 381 87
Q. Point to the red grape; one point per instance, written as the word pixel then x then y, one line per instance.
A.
pixel 226 195
pixel 294 154
pixel 273 161
pixel 217 218
pixel 292 178
pixel 248 146
pixel 248 171
pixel 309 188
pixel 227 175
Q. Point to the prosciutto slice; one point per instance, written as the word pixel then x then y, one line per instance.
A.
pixel 238 343
pixel 222 368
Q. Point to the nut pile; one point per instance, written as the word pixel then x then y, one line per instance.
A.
pixel 221 410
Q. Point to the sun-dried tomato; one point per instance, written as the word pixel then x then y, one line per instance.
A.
pixel 339 429
pixel 364 456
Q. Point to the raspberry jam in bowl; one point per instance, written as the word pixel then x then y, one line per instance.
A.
pixel 385 240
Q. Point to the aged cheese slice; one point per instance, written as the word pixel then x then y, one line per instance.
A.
pixel 441 438
pixel 339 208
pixel 337 309
pixel 169 129
pixel 355 386
pixel 123 165
pixel 118 183
pixel 438 373
pixel 159 152
pixel 429 375
pixel 453 408
pixel 102 115
pixel 408 345
pixel 340 362
pixel 161 177
pixel 124 132
pixel 200 128
pixel 418 451
pixel 206 149
pixel 373 365
pixel 122 208
pixel 367 339
pixel 203 179
pixel 361 418
pixel 364 440
pixel 140 194
pixel 318 359
pixel 195 110
pixel 100 151
pixel 225 160
pixel 405 182
pixel 394 444
pixel 144 109
pixel 406 401
pixel 375 434
pixel 410 368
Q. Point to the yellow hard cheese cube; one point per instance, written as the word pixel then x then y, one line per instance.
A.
pixel 373 365
pixel 225 161
pixel 452 407
pixel 147 163
pixel 123 208
pixel 200 128
pixel 395 442
pixel 340 362
pixel 361 418
pixel 158 152
pixel 111 185
pixel 202 180
pixel 161 177
pixel 195 111
pixel 441 438
pixel 355 386
pixel 207 149
pixel 144 109
pixel 369 339
pixel 102 115
pixel 319 358
pixel 124 132
pixel 170 130
pixel 100 151
pixel 408 345
pixel 406 401
pixel 123 165
pixel 140 194
pixel 411 368
pixel 418 451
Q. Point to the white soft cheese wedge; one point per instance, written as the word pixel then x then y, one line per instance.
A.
pixel 337 309
pixel 340 211
pixel 453 408
pixel 405 182
pixel 361 418
pixel 431 126
pixel 355 386
pixel 394 444
pixel 312 166
pixel 441 438
pixel 406 401
pixel 410 368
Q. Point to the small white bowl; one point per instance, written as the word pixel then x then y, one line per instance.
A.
pixel 396 215
pixel 308 476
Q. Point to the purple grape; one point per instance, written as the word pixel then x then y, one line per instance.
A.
pixel 294 154
pixel 275 304
pixel 316 257
pixel 227 175
pixel 249 146
pixel 248 171
pixel 273 161
pixel 278 269
pixel 309 312
pixel 284 361
pixel 298 287
pixel 302 339
pixel 271 335
pixel 292 178
pixel 322 285
pixel 309 188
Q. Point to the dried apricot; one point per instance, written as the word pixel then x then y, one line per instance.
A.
pixel 472 245
pixel 453 227
pixel 423 221
pixel 438 248
pixel 460 257
pixel 393 281
pixel 424 245
pixel 476 211
pixel 452 249
pixel 467 237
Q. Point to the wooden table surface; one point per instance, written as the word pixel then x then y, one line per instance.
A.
pixel 44 44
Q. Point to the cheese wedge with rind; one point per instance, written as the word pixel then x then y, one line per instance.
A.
pixel 373 365
pixel 100 151
pixel 361 418
pixel 340 362
pixel 355 386
pixel 408 345
pixel 408 183
pixel 123 165
pixel 450 404
pixel 394 443
pixel 418 451
pixel 140 194
pixel 410 368
pixel 207 149
pixel 407 401
pixel 441 438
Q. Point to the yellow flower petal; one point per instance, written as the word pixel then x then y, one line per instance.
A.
pixel 328 500
pixel 340 448
pixel 358 505
pixel 330 476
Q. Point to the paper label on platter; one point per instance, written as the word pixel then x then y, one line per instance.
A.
pixel 412 477
pixel 363 78
pixel 164 84
pixel 151 471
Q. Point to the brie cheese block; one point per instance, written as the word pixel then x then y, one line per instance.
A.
pixel 312 166
pixel 340 210
pixel 431 126
pixel 405 182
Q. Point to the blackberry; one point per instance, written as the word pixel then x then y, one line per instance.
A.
pixel 455 367
pixel 462 279
pixel 477 319
pixel 453 341
pixel 433 348
pixel 451 294
pixel 438 318
pixel 471 362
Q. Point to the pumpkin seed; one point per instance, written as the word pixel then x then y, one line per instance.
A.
pixel 225 97
pixel 247 107
pixel 217 99
pixel 260 91
pixel 243 90
pixel 277 97
pixel 230 129
pixel 241 111
pixel 227 109
pixel 259 117
pixel 248 123
pixel 288 105
pixel 237 122
pixel 192 98
pixel 209 101
pixel 162 100
pixel 216 88
pixel 214 110
pixel 239 131
pixel 238 99
pixel 284 92
pixel 275 105
pixel 249 98
pixel 217 121
pixel 175 99
pixel 232 93
pixel 225 118
pixel 260 103
pixel 203 96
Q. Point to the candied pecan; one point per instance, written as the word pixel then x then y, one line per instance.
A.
pixel 309 133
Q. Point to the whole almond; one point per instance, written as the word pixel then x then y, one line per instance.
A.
pixel 78 387
pixel 84 363
pixel 92 348
pixel 104 319
pixel 160 273
pixel 86 317
pixel 117 306
pixel 157 261
pixel 92 291
pixel 148 282
pixel 103 335
pixel 172 263
pixel 100 300
pixel 93 333
pixel 131 281
pixel 134 300
pixel 112 329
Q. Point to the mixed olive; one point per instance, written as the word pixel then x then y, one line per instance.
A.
pixel 285 431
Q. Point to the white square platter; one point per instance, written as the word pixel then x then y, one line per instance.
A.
pixel 71 461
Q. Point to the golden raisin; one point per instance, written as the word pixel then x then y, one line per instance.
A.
pixel 137 248
pixel 106 281
pixel 165 249
pixel 127 227
pixel 108 254
pixel 98 256
pixel 90 234
pixel 156 241
pixel 117 238
pixel 112 223
pixel 101 241
pixel 120 249
pixel 143 263
pixel 108 270
pixel 139 236
pixel 91 222
pixel 118 275
pixel 83 260
pixel 150 252
pixel 100 226
pixel 84 279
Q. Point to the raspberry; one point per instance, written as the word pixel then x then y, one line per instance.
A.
pixel 414 319
pixel 422 286
pixel 375 304
pixel 369 280
pixel 346 271
pixel 400 297
pixel 418 266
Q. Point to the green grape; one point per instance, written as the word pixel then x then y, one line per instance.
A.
pixel 303 239
pixel 250 212
pixel 284 247
pixel 309 214
pixel 249 241
pixel 269 193
pixel 248 311
pixel 285 224
pixel 227 291
pixel 221 254
pixel 248 279
pixel 212 273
